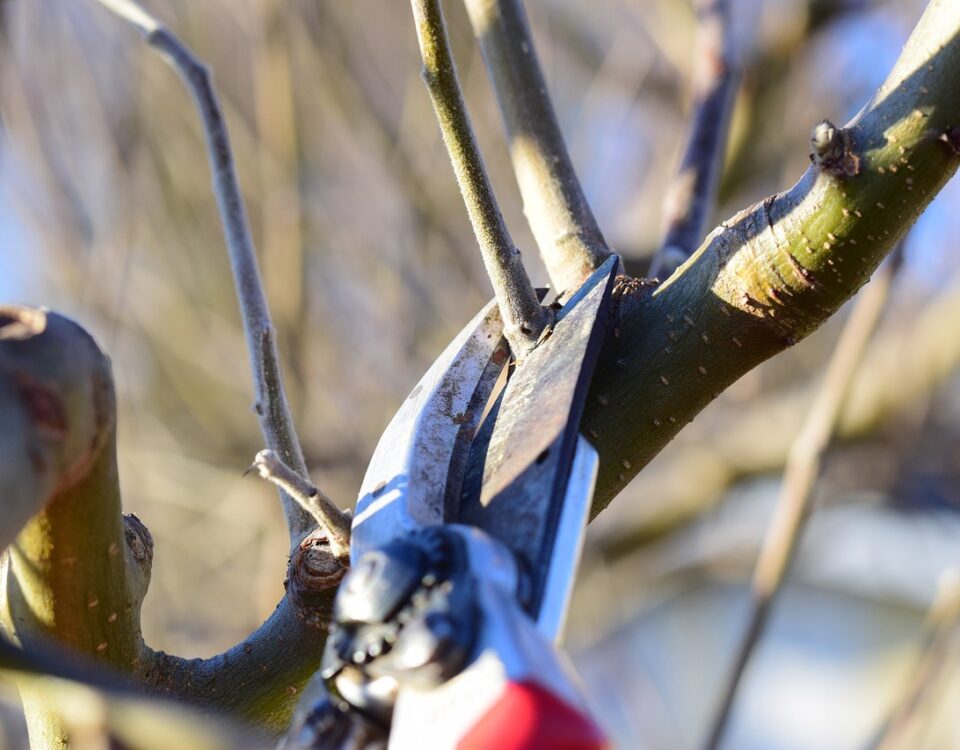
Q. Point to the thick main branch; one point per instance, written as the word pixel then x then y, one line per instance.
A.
pixel 773 273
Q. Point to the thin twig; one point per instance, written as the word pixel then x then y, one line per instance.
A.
pixel 941 628
pixel 566 231
pixel 690 196
pixel 524 318
pixel 799 479
pixel 276 422
pixel 311 499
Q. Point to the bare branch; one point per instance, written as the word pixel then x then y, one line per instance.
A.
pixel 276 422
pixel 260 678
pixel 566 231
pixel 941 628
pixel 800 476
pixel 523 316
pixel 716 80
pixel 311 499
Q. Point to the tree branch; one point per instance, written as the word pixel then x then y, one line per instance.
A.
pixel 566 232
pixel 77 570
pixel 276 422
pixel 524 318
pixel 799 479
pixel 690 196
pixel 334 522
pixel 773 273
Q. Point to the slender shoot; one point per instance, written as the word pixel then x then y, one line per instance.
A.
pixel 524 318
pixel 276 421
pixel 328 516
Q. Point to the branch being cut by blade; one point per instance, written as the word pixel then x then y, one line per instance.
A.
pixel 524 318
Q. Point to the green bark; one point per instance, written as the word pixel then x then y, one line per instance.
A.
pixel 78 570
pixel 771 274
pixel 66 574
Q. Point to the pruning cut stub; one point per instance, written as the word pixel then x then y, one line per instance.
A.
pixel 314 572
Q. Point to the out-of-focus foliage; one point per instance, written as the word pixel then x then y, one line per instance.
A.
pixel 106 214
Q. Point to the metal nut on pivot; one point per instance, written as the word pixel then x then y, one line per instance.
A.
pixel 380 583
pixel 431 649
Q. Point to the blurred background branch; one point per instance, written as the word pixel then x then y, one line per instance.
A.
pixel 799 479
pixel 689 198
pixel 940 633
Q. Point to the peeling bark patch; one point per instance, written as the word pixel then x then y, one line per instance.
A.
pixel 833 150
pixel 44 406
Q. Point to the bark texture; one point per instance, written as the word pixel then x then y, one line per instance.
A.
pixel 770 275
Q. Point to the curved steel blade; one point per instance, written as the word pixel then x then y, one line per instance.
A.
pixel 421 456
pixel 525 451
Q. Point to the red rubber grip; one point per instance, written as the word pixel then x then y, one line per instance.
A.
pixel 528 717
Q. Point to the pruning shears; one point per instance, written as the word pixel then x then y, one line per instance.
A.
pixel 465 544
